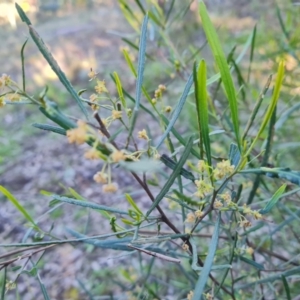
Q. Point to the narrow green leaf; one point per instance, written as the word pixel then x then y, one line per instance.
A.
pixel 256 107
pixel 88 204
pixel 220 59
pixel 117 244
pixel 286 287
pixel 282 26
pixel 58 117
pixel 251 52
pixel 273 200
pixel 51 128
pixel 291 272
pixel 170 163
pixel 22 15
pixel 204 275
pixel 138 2
pixel 50 59
pixel 202 108
pixel 42 286
pixel 177 111
pixel 133 100
pixel 252 263
pixel 23 65
pixel 133 204
pixel 268 115
pixel 4 284
pixel 140 74
pixel 119 89
pixel 76 195
pixel 17 204
pixel 173 176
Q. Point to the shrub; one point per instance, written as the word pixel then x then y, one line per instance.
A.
pixel 210 225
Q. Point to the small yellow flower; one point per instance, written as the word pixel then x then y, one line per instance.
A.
pixel 93 98
pixel 100 87
pixel 92 154
pixel 100 177
pixel 2 102
pixel 208 296
pixel 109 188
pixel 116 114
pixel 162 87
pixel 77 135
pixel 190 218
pixel 92 74
pixel 190 295
pixel 4 80
pixel 218 204
pixel 143 135
pixel 249 250
pixel 256 215
pixel 129 112
pixel 157 94
pixel 202 166
pixel 185 247
pixel 247 210
pixel 245 223
pixel 203 187
pixel 118 156
pixel 168 109
pixel 226 197
pixel 199 213
pixel 223 169
pixel 154 101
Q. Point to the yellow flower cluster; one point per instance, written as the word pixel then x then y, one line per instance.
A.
pixel 203 188
pixel 143 135
pixel 249 212
pixel 100 87
pixel 4 81
pixel 78 135
pixel 223 169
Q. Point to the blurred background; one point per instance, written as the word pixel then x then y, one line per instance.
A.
pixel 85 34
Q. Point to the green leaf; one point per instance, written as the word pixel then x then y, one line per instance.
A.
pixel 286 287
pixel 173 176
pixel 271 108
pixel 177 111
pixel 204 275
pixel 88 204
pixel 273 200
pixel 252 263
pixel 22 15
pixel 202 109
pixel 3 284
pixel 170 163
pixel 283 173
pixel 133 204
pixel 55 115
pixel 23 66
pixel 140 73
pixel 291 272
pixel 220 59
pixel 51 128
pixel 17 204
pixel 50 59
pixel 119 88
